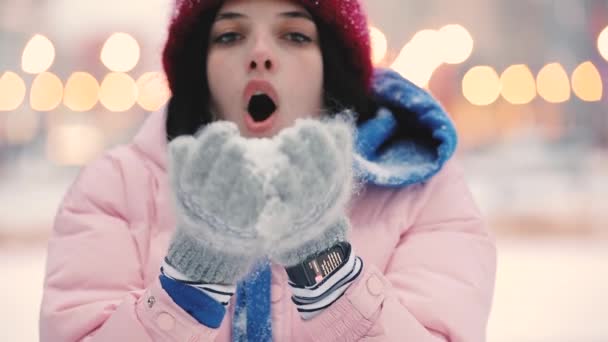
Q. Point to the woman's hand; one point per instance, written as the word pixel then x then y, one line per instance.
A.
pixel 309 190
pixel 218 195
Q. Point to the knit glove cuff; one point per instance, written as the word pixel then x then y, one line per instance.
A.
pixel 209 261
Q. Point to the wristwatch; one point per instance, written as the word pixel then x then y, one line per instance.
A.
pixel 315 269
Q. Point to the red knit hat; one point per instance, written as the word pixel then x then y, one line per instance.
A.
pixel 346 17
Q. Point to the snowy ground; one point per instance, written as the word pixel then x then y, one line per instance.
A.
pixel 551 290
pixel 547 290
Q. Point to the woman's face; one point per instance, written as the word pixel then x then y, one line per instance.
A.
pixel 264 67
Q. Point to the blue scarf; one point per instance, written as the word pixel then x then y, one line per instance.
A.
pixel 408 142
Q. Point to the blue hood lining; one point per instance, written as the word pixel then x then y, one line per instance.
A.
pixel 410 138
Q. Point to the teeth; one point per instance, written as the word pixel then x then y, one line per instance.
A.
pixel 259 93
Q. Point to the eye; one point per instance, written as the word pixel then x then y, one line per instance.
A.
pixel 298 38
pixel 227 38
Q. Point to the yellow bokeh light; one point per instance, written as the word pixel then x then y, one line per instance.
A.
pixel 379 45
pixel 587 82
pixel 553 84
pixel 418 59
pixel 153 91
pixel 120 53
pixel 74 144
pixel 518 85
pixel 12 91
pixel 118 92
pixel 481 85
pixel 38 55
pixel 81 92
pixel 602 43
pixel 21 127
pixel 46 93
pixel 457 44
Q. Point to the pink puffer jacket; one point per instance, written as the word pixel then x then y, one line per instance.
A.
pixel 429 262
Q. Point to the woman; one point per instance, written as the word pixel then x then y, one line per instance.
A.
pixel 256 210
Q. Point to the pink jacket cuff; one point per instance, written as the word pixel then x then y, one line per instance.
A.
pixel 352 316
pixel 166 321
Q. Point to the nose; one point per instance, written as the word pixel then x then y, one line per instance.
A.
pixel 262 57
pixel 263 64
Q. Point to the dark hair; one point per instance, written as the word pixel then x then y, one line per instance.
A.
pixel 188 108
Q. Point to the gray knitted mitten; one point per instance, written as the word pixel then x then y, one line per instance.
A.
pixel 305 212
pixel 218 196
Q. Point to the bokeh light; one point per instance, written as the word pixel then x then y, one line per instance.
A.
pixel 81 92
pixel 457 44
pixel 12 91
pixel 38 55
pixel 46 93
pixel 553 84
pixel 427 41
pixel 587 82
pixel 602 43
pixel 118 92
pixel 518 85
pixel 416 61
pixel 120 53
pixel 481 85
pixel 429 49
pixel 74 144
pixel 153 91
pixel 379 44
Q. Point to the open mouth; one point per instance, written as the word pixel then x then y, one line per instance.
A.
pixel 261 107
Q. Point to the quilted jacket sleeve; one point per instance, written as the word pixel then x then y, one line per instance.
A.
pixel 439 283
pixel 94 288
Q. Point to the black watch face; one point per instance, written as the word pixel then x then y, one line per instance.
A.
pixel 326 263
pixel 316 269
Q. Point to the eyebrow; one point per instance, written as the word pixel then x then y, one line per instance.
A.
pixel 296 14
pixel 290 14
pixel 229 15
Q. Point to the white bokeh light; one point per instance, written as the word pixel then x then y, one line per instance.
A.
pixel 602 43
pixel 457 44
pixel 38 55
pixel 379 44
pixel 120 53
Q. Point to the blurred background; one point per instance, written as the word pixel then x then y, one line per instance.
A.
pixel 523 80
